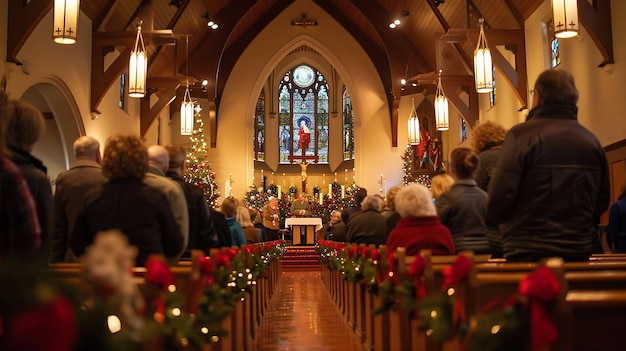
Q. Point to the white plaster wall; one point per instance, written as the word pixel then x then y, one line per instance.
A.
pixel 601 91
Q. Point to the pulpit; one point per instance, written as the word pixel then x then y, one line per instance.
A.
pixel 303 230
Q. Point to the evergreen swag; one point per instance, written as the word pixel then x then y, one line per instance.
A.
pixel 503 325
pixel 199 170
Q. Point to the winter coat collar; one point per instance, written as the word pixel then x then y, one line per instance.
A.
pixel 21 156
pixel 562 111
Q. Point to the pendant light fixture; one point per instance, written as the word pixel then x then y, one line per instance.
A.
pixel 65 17
pixel 442 120
pixel 186 107
pixel 413 131
pixel 565 18
pixel 138 67
pixel 483 70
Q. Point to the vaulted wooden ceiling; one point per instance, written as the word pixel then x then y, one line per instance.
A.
pixel 434 35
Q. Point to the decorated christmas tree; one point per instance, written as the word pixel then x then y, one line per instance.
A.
pixel 407 165
pixel 199 170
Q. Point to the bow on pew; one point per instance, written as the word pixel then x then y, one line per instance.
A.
pixel 539 288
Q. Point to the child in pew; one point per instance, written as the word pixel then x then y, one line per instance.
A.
pixel 419 227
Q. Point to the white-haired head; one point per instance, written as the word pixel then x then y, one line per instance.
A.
pixel 415 200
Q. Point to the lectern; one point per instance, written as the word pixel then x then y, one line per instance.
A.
pixel 303 230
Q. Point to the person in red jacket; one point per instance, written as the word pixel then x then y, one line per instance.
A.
pixel 419 228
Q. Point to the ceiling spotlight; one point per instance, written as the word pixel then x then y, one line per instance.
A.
pixel 392 25
pixel 205 82
pixel 403 81
pixel 210 23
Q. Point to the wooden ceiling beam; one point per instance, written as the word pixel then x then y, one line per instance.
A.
pixel 398 49
pixel 149 113
pixel 515 75
pixel 100 22
pixel 24 18
pixel 206 63
pixel 453 86
pixel 597 22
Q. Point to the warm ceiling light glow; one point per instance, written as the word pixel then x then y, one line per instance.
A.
pixel 565 18
pixel 65 16
pixel 186 114
pixel 442 119
pixel 483 70
pixel 138 68
pixel 413 131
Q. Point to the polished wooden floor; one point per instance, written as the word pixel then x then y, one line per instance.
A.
pixel 303 317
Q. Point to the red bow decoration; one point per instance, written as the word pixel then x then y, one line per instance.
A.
pixel 232 253
pixel 158 273
pixel 392 273
pixel 365 252
pixel 416 272
pixel 374 254
pixel 353 251
pixel 541 287
pixel 453 275
pixel 222 259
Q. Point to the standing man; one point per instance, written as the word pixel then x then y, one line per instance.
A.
pixel 159 162
pixel 202 234
pixel 300 207
pixel 551 182
pixel 71 188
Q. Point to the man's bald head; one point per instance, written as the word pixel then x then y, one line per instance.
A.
pixel 158 157
pixel 87 147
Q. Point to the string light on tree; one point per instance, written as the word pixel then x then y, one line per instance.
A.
pixel 199 170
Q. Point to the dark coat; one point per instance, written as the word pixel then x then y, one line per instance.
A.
pixel 367 227
pixel 463 209
pixel 69 199
pixel 142 214
pixel 221 227
pixel 421 233
pixel 202 234
pixel 616 229
pixel 35 174
pixel 336 232
pixel 488 161
pixel 550 186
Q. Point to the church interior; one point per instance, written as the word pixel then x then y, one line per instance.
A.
pixel 319 97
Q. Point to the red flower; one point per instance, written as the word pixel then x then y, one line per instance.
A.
pixel 158 273
pixel 205 264
pixel 222 259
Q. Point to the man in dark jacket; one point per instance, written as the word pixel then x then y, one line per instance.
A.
pixel 202 234
pixel 551 182
pixel 368 226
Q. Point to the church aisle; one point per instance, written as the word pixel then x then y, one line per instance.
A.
pixel 302 317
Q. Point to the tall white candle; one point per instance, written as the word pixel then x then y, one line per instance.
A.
pixel 321 198
pixel 330 191
pixel 278 192
pixel 343 191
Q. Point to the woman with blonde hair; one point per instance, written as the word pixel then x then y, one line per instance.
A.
pixel 439 184
pixel 251 233
pixel 487 139
pixel 463 208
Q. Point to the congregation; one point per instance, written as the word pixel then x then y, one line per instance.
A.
pixel 495 199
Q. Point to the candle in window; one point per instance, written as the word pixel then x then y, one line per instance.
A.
pixel 343 192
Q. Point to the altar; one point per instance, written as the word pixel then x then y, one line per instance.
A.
pixel 303 229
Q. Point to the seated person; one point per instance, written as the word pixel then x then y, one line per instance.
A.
pixel 335 229
pixel 368 226
pixel 419 227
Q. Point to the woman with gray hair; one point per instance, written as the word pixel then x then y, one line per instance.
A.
pixel 419 227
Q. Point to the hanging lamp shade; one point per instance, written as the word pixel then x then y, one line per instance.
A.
pixel 442 120
pixel 565 18
pixel 413 131
pixel 186 114
pixel 138 68
pixel 483 70
pixel 65 17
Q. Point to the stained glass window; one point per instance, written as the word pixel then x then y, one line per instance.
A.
pixel 555 58
pixel 122 99
pixel 492 94
pixel 259 131
pixel 303 116
pixel 348 126
pixel 463 130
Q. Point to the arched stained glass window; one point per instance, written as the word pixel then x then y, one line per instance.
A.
pixel 348 126
pixel 303 116
pixel 259 129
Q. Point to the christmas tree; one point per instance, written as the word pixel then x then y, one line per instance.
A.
pixel 409 175
pixel 199 170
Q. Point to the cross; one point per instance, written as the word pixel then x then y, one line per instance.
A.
pixel 303 22
pixel 230 185
pixel 382 184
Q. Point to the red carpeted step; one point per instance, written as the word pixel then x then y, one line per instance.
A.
pixel 301 258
